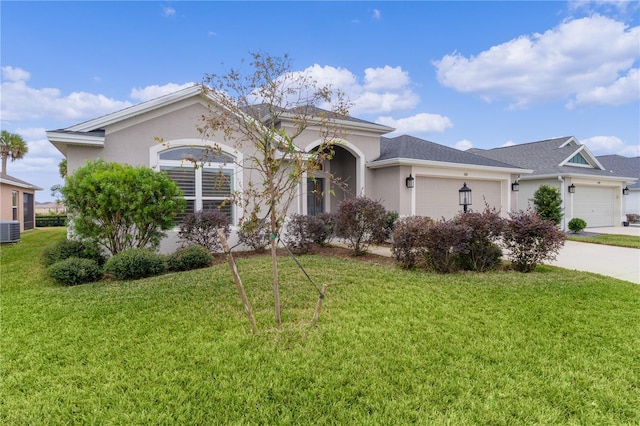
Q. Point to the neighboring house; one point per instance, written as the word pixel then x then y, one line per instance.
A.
pixel 50 207
pixel 589 190
pixel 625 166
pixel 17 201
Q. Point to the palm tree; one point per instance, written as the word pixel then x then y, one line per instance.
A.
pixel 11 146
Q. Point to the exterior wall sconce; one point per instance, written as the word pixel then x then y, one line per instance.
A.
pixel 410 181
pixel 572 189
pixel 464 194
pixel 515 187
pixel 625 190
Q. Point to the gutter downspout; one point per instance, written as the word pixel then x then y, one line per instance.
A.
pixel 564 207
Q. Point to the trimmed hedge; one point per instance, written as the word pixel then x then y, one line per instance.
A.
pixel 135 263
pixel 51 220
pixel 187 258
pixel 74 271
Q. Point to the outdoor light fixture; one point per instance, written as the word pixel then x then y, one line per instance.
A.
pixel 572 189
pixel 410 181
pixel 465 196
pixel 625 190
pixel 515 187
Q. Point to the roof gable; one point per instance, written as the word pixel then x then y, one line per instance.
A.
pixel 557 156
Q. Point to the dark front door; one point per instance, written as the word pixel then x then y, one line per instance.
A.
pixel 315 196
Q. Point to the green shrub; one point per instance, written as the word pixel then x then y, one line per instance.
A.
pixel 577 225
pixel 51 220
pixel 65 249
pixel 187 258
pixel 118 206
pixel 74 270
pixel 392 217
pixel 135 263
pixel 361 221
pixel 547 201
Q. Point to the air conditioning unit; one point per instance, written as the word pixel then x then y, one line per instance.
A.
pixel 9 231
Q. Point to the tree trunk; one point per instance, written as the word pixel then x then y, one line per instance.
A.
pixel 238 281
pixel 274 265
pixel 314 320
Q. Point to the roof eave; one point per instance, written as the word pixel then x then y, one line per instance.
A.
pixel 132 111
pixel 391 162
pixel 7 181
pixel 626 179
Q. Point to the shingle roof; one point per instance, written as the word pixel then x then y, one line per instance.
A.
pixel 623 166
pixel 545 157
pixel 414 148
pixel 262 111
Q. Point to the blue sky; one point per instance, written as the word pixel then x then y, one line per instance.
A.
pixel 462 74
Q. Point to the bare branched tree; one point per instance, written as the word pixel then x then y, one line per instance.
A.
pixel 263 114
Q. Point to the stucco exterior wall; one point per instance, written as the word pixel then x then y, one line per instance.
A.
pixel 6 206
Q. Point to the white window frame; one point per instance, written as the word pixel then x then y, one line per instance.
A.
pixel 232 167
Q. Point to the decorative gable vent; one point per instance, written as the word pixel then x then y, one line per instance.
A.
pixel 9 231
pixel 578 159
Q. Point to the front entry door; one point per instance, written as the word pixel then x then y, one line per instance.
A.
pixel 315 196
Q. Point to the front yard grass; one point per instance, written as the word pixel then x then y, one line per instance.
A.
pixel 391 346
pixel 608 239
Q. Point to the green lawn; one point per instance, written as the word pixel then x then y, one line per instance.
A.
pixel 608 239
pixel 391 347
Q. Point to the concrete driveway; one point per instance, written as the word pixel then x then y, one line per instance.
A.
pixel 617 262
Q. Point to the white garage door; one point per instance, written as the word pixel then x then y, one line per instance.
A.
pixel 595 205
pixel 437 198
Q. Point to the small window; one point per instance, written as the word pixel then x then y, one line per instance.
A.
pixel 14 205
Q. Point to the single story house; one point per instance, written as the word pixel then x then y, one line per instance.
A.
pixel 407 174
pixel 17 201
pixel 590 191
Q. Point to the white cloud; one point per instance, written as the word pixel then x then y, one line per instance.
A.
pixel 599 145
pixel 384 90
pixel 377 14
pixel 15 74
pixel 567 61
pixel 623 91
pixel 155 91
pixel 21 102
pixel 168 11
pixel 392 78
pixel 508 143
pixel 419 123
pixel 463 145
pixel 605 145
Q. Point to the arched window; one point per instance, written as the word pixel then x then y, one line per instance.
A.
pixel 206 177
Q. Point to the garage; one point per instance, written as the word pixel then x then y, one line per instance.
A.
pixel 595 205
pixel 437 198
